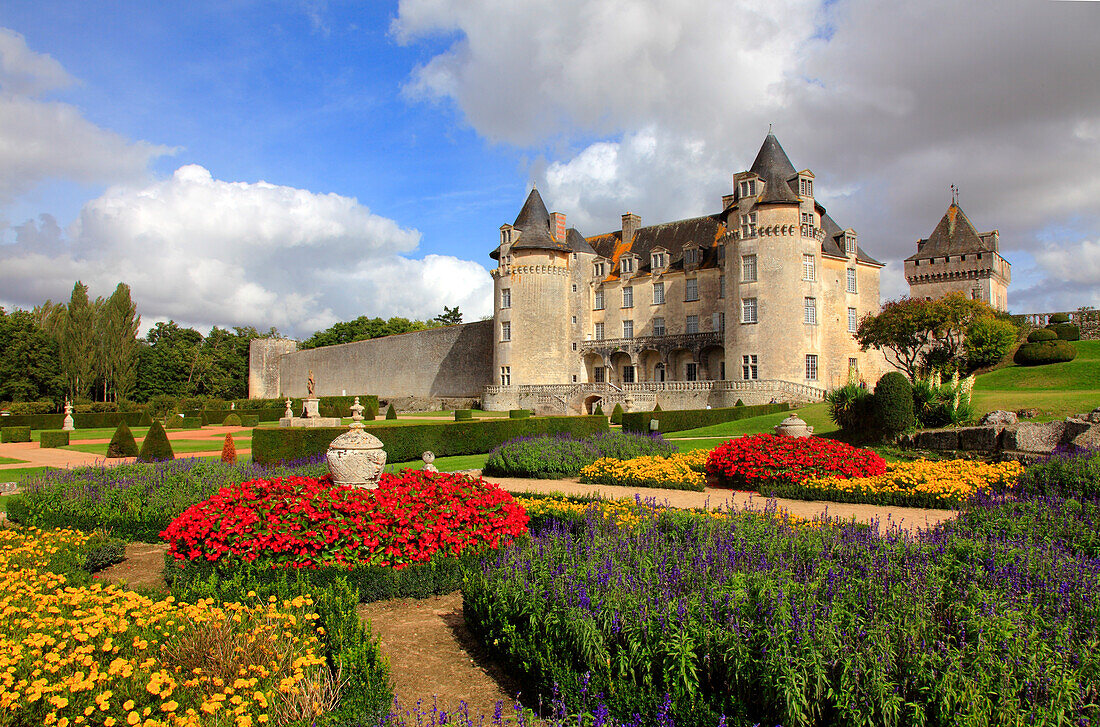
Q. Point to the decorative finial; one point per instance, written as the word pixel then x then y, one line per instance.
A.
pixel 954 195
pixel 769 128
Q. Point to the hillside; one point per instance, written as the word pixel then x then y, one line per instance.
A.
pixel 1055 390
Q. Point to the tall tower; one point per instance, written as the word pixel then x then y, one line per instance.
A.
pixel 531 299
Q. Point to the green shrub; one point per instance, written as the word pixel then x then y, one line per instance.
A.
pixel 15 434
pixel 675 420
pixel 146 419
pixel 102 551
pixel 851 407
pixel 599 410
pixel 556 456
pixel 461 415
pixel 519 413
pixel 988 341
pixel 391 413
pixel 232 420
pixel 31 407
pixel 617 414
pixel 1058 318
pixel 250 420
pixel 51 439
pixel 1042 334
pixel 739 403
pixel 894 403
pixel 656 406
pixel 1066 331
pixel 122 443
pixel 191 423
pixel 155 447
pixel 408 443
pixel 89 420
pixel 1044 352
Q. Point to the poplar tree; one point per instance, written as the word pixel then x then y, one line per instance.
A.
pixel 120 322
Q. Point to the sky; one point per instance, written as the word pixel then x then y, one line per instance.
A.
pixel 298 162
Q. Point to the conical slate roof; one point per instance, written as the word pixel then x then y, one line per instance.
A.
pixel 954 235
pixel 775 168
pixel 533 223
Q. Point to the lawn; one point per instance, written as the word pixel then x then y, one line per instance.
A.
pixel 444 464
pixel 816 415
pixel 179 446
pixel 1056 390
pixel 11 460
pixel 18 473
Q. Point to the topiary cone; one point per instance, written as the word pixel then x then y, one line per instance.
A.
pixel 146 419
pixel 155 447
pixel 617 414
pixel 657 407
pixel 229 450
pixel 122 443
pixel 599 410
pixel 391 413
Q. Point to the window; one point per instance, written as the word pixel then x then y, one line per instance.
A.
pixel 748 268
pixel 805 187
pixel 574 257
pixel 853 369
pixel 691 289
pixel 718 321
pixel 506 330
pixel 574 345
pixel 721 254
pixel 722 370
pixel 626 265
pixel 574 375
pixel 748 225
pixel 506 298
pixel 599 300
pixel 811 366
pixel 574 320
pixel 658 293
pixel 748 310
pixel 851 280
pixel 808 271
pixel 574 287
pixel 850 245
pixel 505 375
pixel 748 188
pixel 597 270
pixel 853 320
pixel 809 311
pixel 599 331
pixel 691 256
pixel 807 224
pixel 658 326
pixel 692 371
pixel 628 329
pixel 628 374
pixel 692 324
pixel 597 374
pixel 721 286
pixel 628 296
pixel 658 260
pixel 748 367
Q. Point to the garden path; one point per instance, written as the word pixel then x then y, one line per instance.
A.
pixel 143 567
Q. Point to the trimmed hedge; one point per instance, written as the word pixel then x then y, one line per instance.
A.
pixel 408 443
pixel 155 447
pixel 1058 318
pixel 250 420
pixel 1043 334
pixel 51 439
pixel 1066 331
pixel 217 416
pixel 676 420
pixel 1044 352
pixel 617 414
pixel 519 413
pixel 89 420
pixel 122 443
pixel 893 403
pixel 15 434
pixel 330 406
pixel 461 415
pixel 233 420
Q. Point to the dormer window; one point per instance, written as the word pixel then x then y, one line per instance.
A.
pixel 691 256
pixel 658 260
pixel 626 265
pixel 748 188
pixel 597 270
pixel 850 244
pixel 805 187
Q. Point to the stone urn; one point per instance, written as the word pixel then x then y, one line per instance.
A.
pixel 356 458
pixel 793 426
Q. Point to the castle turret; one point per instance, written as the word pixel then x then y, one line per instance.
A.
pixel 531 287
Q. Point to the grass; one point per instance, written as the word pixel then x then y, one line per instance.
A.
pixel 443 464
pixel 11 460
pixel 18 473
pixel 816 415
pixel 179 446
pixel 1056 390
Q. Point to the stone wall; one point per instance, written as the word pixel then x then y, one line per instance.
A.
pixel 1004 437
pixel 448 362
pixel 263 366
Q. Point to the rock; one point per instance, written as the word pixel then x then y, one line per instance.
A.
pixel 938 439
pixel 1033 437
pixel 980 439
pixel 1000 417
pixel 1027 413
pixel 1075 428
pixel 1094 415
pixel 1089 439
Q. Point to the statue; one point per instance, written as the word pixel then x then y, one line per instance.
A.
pixel 310 384
pixel 67 423
pixel 429 462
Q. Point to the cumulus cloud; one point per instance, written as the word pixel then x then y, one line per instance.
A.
pixel 44 140
pixel 205 251
pixel 889 103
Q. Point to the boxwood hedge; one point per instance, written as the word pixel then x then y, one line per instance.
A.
pixel 51 439
pixel 408 443
pixel 88 420
pixel 676 420
pixel 15 434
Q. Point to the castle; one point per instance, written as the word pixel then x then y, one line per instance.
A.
pixel 957 258
pixel 756 302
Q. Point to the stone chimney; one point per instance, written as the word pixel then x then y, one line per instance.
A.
pixel 631 223
pixel 727 200
pixel 557 226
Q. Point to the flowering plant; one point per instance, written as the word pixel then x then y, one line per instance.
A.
pixel 310 522
pixel 765 459
pixel 675 472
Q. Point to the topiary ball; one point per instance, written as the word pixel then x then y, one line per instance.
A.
pixel 894 403
pixel 1066 331
pixel 1041 353
pixel 1043 334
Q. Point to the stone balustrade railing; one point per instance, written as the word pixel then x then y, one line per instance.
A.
pixel 679 340
pixel 801 391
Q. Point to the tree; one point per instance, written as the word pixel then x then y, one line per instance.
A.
pixel 902 330
pixel 363 328
pixel 988 341
pixel 29 359
pixel 449 316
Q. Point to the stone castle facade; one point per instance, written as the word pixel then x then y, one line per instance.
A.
pixel 956 258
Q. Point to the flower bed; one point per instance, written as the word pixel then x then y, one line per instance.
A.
pixel 923 483
pixel 551 457
pixel 766 461
pixel 309 522
pixel 677 472
pixel 108 656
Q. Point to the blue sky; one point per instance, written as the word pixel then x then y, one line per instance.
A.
pixel 395 138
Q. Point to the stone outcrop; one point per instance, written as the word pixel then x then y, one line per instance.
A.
pixel 1002 435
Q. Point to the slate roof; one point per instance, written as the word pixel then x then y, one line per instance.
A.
pixel 533 224
pixel 774 166
pixel 577 243
pixel 705 231
pixel 954 235
pixel 833 244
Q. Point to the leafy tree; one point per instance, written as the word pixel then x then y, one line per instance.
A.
pixel 119 322
pixel 29 359
pixel 166 361
pixel 449 316
pixel 901 330
pixel 988 341
pixel 363 328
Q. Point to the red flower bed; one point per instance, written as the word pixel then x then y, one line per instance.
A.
pixel 754 462
pixel 309 522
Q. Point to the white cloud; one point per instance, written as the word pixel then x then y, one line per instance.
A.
pixel 205 251
pixel 43 140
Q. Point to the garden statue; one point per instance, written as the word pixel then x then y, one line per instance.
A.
pixel 356 458
pixel 357 411
pixel 310 384
pixel 67 424
pixel 429 459
pixel 289 410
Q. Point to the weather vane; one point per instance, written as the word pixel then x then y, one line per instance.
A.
pixel 954 195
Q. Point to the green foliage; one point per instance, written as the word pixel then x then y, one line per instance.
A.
pixel 232 420
pixel 599 410
pixel 407 443
pixel 88 420
pixel 461 415
pixel 363 328
pixel 1066 331
pixel 1042 334
pixel 122 443
pixel 851 407
pixel 1058 318
pixel 617 414
pixel 180 362
pixel 250 420
pixel 29 357
pixel 53 439
pixel 519 413
pixel 656 406
pixel 553 457
pixel 146 420
pixel 739 403
pixel 894 403
pixel 1042 353
pixel 675 420
pixel 449 317
pixel 988 341
pixel 1071 474
pixel 391 413
pixel 155 447
pixel 102 551
pixel 15 434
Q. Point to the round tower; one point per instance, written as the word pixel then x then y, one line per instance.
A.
pixel 531 297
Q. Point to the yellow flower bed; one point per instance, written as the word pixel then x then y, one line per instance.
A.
pixel 947 482
pixel 101 655
pixel 675 472
pixel 623 512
